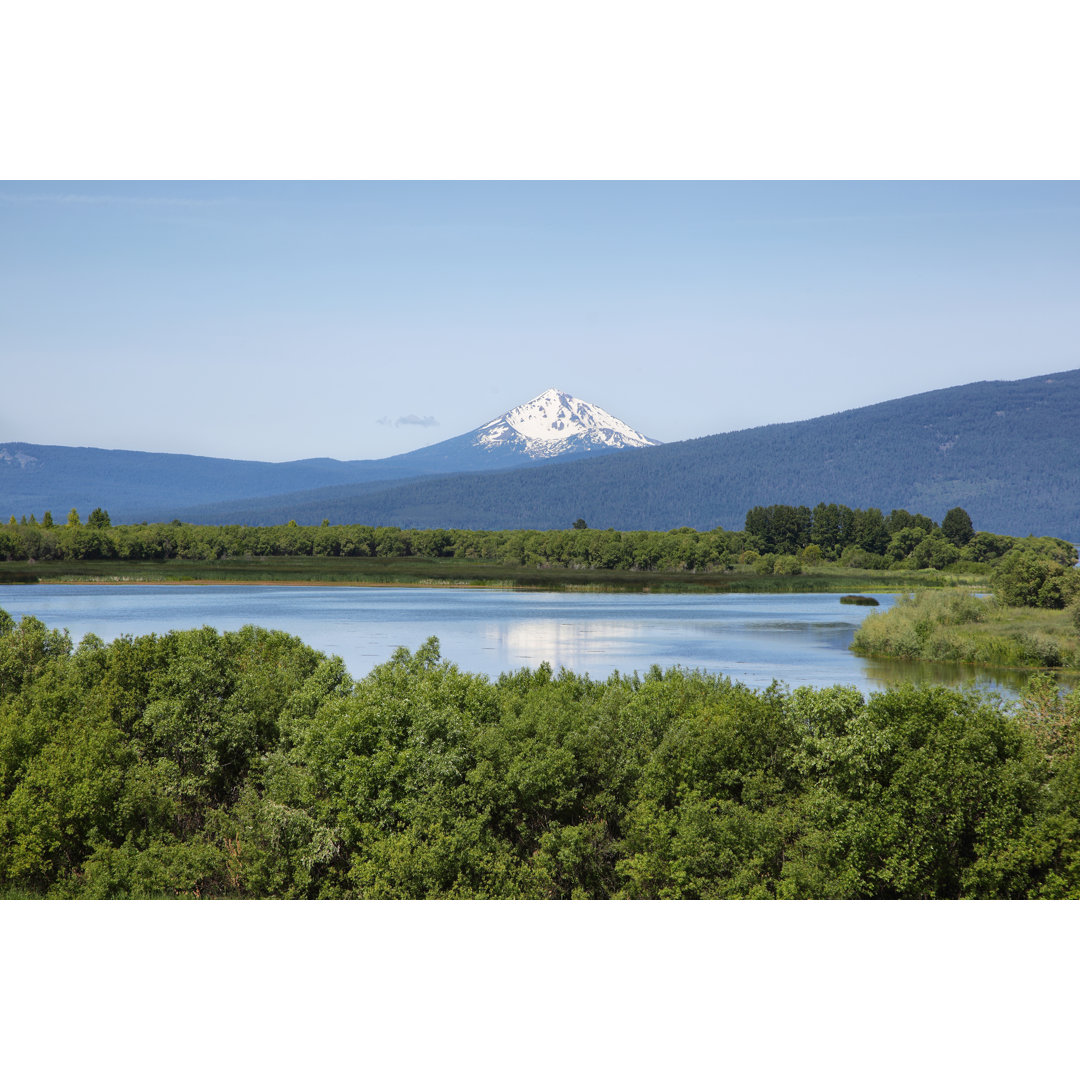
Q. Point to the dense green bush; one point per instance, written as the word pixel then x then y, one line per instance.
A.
pixel 247 765
pixel 859 559
pixel 934 552
pixel 1027 579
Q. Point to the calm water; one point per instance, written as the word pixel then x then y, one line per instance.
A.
pixel 797 638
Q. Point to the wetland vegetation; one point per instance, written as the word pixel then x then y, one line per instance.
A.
pixel 415 570
pixel 782 548
pixel 956 626
pixel 1032 620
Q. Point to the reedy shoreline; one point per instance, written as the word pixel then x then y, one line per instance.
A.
pixel 415 571
pixel 956 626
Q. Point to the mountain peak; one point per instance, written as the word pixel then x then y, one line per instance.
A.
pixel 556 423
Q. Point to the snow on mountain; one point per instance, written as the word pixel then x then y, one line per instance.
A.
pixel 556 423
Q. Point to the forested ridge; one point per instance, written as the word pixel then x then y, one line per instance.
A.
pixel 245 764
pixel 1006 451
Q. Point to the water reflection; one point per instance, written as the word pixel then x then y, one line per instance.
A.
pixel 1003 680
pixel 580 646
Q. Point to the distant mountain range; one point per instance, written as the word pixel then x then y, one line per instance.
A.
pixel 1008 452
pixel 134 485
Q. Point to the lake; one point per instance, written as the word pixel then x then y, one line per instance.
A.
pixel 796 638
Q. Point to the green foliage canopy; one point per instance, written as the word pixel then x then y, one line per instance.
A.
pixel 1025 579
pixel 247 765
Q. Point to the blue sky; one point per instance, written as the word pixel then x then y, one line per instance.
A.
pixel 275 320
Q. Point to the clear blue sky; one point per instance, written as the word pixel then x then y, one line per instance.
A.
pixel 274 320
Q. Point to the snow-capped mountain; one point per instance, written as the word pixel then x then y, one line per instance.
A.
pixel 556 423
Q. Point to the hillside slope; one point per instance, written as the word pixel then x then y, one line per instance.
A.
pixel 1009 452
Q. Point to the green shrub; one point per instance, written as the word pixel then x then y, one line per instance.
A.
pixel 246 765
pixel 1038 649
pixel 856 558
pixel 935 552
pixel 1026 579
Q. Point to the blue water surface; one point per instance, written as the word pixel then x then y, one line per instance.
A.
pixel 795 638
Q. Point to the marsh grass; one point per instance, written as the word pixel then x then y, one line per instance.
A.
pixel 415 570
pixel 957 626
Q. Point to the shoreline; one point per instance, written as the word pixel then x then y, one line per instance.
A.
pixel 402 573
pixel 974 665
pixel 313 583
pixel 506 585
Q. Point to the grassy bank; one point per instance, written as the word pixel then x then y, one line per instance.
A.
pixel 327 570
pixel 956 626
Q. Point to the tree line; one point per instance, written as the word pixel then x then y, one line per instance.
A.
pixel 776 539
pixel 870 539
pixel 575 547
pixel 245 764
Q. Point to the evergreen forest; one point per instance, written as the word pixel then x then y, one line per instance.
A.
pixel 1003 450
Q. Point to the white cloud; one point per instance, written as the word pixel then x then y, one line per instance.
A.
pixel 412 419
